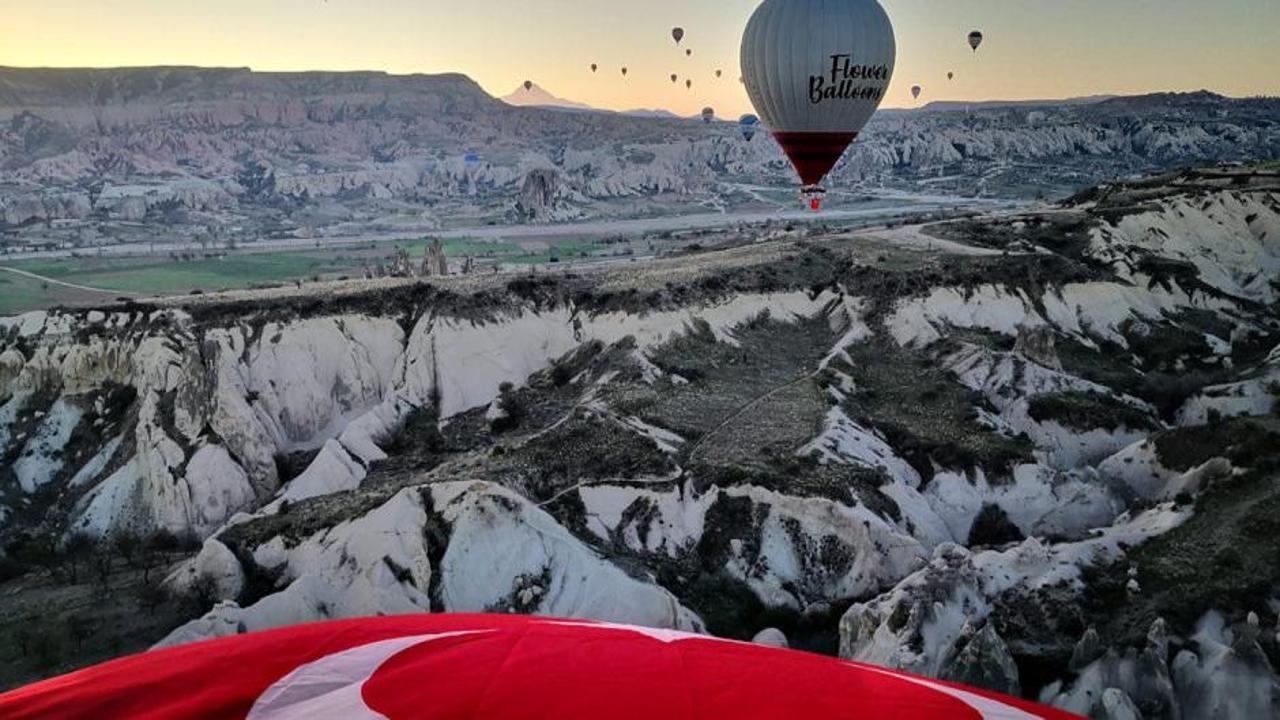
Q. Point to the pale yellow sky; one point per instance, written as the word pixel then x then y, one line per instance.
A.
pixel 1034 48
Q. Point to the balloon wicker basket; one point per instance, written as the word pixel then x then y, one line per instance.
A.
pixel 812 195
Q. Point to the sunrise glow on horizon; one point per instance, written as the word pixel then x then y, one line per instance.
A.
pixel 1033 50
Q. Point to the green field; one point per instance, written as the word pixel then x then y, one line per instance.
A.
pixel 20 294
pixel 164 275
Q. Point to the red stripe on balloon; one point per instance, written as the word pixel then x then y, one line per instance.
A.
pixel 814 153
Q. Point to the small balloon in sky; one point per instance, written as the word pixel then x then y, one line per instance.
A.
pixel 677 33
pixel 951 76
pixel 688 84
pixel 624 71
pixel 915 91
pixel 975 40
pixel 528 85
pixel 674 77
pixel 594 67
pixel 719 73
pixel 688 52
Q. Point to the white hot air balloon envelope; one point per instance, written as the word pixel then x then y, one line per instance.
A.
pixel 816 70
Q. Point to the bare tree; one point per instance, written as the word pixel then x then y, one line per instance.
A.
pixel 80 628
pixel 152 595
pixel 76 552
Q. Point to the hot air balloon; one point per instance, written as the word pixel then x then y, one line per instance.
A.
pixel 708 114
pixel 748 124
pixel 951 76
pixel 915 91
pixel 688 84
pixel 975 40
pixel 816 70
pixel 528 85
pixel 677 34
pixel 719 73
pixel 674 77
pixel 688 52
pixel 624 72
pixel 492 667
pixel 594 67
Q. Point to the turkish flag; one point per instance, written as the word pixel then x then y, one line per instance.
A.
pixel 490 667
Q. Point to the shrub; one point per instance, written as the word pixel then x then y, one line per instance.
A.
pixel 10 569
pixel 513 407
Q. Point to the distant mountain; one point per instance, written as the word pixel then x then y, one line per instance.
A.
pixel 536 96
pixel 539 97
pixel 953 105
pixel 652 113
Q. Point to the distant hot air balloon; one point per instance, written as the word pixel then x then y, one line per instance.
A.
pixel 719 73
pixel 708 114
pixel 624 72
pixel 975 40
pixel 688 52
pixel 594 67
pixel 816 70
pixel 915 91
pixel 748 124
pixel 951 76
pixel 490 667
pixel 528 85
pixel 688 84
pixel 678 34
pixel 674 77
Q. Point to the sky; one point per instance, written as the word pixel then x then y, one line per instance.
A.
pixel 1034 48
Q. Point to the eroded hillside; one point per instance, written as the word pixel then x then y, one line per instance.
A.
pixel 215 157
pixel 1033 452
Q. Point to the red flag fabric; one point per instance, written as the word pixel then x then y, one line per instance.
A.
pixel 485 667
